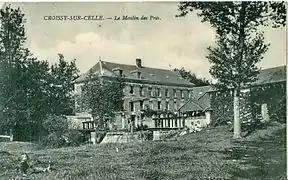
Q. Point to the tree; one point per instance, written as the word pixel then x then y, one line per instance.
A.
pixel 239 44
pixel 27 91
pixel 13 62
pixel 63 75
pixel 191 77
pixel 103 98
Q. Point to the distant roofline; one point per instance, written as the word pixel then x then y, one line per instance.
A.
pixel 137 67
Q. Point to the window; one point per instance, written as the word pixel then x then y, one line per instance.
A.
pixel 158 92
pixel 131 89
pixel 159 104
pixel 139 75
pixel 182 93
pixel 141 91
pixel 150 91
pixel 132 106
pixel 120 73
pixel 174 92
pixel 166 93
pixel 189 94
pixel 142 104
pixel 151 104
pixel 167 105
pixel 175 105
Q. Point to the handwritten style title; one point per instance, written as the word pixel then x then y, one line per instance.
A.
pixel 100 18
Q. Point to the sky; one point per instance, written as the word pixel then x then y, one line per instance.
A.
pixel 167 43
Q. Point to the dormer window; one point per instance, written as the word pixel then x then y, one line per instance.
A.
pixel 121 73
pixel 118 71
pixel 139 75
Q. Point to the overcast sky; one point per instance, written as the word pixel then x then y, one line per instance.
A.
pixel 175 41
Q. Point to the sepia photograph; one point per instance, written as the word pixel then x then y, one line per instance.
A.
pixel 143 90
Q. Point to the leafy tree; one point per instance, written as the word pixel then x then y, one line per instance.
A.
pixel 104 98
pixel 239 44
pixel 26 94
pixel 13 65
pixel 191 77
pixel 63 75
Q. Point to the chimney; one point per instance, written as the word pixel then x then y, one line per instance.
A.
pixel 138 62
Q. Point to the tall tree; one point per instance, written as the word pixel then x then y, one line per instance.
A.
pixel 63 75
pixel 13 60
pixel 239 44
pixel 191 77
pixel 104 98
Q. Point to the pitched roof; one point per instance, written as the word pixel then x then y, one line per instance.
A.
pixel 201 90
pixel 147 73
pixel 271 75
pixel 200 101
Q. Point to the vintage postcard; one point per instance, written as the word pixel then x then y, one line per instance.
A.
pixel 143 90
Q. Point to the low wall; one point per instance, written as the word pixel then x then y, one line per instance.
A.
pixel 120 137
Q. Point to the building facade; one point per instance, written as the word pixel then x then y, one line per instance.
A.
pixel 158 89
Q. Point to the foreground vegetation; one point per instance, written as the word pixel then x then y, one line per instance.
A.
pixel 210 154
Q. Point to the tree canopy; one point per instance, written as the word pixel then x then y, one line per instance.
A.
pixel 27 85
pixel 103 98
pixel 191 77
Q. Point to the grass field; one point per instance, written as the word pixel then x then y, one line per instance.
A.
pixel 210 154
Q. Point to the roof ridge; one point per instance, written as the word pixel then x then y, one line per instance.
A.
pixel 136 66
pixel 276 67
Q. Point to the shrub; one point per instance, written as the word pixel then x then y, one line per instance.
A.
pixel 55 124
pixel 53 140
pixel 75 138
pixel 58 134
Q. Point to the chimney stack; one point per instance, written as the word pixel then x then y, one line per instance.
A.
pixel 138 62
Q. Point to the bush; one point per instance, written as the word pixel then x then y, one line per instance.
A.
pixel 75 138
pixel 53 140
pixel 55 124
pixel 58 134
pixel 68 138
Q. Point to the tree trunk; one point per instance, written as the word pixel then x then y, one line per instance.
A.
pixel 237 122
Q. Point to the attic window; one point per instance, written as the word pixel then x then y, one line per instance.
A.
pixel 139 75
pixel 118 71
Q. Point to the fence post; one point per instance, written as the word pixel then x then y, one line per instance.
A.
pixel 11 135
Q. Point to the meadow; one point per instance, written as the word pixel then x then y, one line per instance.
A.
pixel 209 154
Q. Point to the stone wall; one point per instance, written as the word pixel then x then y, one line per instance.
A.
pixel 274 96
pixel 251 101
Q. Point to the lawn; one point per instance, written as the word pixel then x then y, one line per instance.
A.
pixel 209 154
